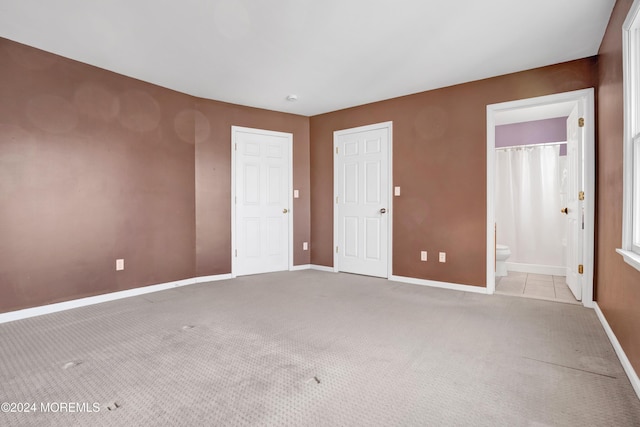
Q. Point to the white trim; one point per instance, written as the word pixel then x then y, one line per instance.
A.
pixel 586 96
pixel 323 268
pixel 630 67
pixel 435 284
pixel 290 190
pixel 627 163
pixel 590 200
pixel 551 270
pixel 300 267
pixel 624 360
pixel 491 209
pixel 632 15
pixel 631 258
pixel 390 201
pixel 215 278
pixel 97 299
pixel 389 127
pixel 289 137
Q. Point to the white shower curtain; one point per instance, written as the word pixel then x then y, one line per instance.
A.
pixel 529 192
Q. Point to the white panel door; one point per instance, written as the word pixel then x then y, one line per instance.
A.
pixel 261 201
pixel 575 210
pixel 362 191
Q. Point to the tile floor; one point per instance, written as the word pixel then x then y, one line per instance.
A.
pixel 540 286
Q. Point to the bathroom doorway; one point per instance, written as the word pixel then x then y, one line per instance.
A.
pixel 537 158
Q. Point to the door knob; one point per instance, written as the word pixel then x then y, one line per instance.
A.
pixel 565 211
pixel 383 210
pixel 285 210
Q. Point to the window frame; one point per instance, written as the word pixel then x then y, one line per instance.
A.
pixel 630 250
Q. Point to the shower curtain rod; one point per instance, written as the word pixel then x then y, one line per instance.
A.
pixel 548 144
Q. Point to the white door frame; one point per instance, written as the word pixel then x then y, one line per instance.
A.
pixel 389 127
pixel 289 136
pixel 585 96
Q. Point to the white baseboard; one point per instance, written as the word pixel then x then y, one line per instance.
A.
pixel 82 302
pixel 435 284
pixel 217 277
pixel 551 270
pixel 322 268
pixel 300 267
pixel 624 360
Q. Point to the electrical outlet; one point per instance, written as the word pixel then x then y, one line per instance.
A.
pixel 119 264
pixel 423 256
pixel 305 246
pixel 442 257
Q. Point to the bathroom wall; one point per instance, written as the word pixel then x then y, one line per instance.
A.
pixel 533 132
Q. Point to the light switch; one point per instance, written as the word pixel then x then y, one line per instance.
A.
pixel 305 246
pixel 296 194
pixel 119 264
pixel 443 257
pixel 423 256
pixel 396 191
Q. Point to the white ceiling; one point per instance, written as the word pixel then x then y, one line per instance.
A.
pixel 333 54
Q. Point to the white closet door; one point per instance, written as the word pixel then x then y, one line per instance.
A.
pixel 362 197
pixel 261 201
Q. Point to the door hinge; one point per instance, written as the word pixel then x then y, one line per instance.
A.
pixel 580 269
pixel 236 253
pixel 236 146
pixel 336 249
pixel 581 195
pixel 581 122
pixel 336 199
pixel 336 150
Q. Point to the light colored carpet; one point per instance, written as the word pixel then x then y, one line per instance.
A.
pixel 311 348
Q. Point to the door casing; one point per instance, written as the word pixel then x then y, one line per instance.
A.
pixel 586 97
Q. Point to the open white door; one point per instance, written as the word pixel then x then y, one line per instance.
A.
pixel 261 196
pixel 362 200
pixel 574 209
pixel 580 157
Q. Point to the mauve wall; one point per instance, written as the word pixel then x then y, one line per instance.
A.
pixel 533 132
pixel 618 289
pixel 96 166
pixel 439 161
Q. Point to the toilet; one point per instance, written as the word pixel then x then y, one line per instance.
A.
pixel 502 254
